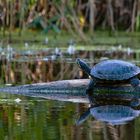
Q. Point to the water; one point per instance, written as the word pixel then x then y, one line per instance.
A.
pixel 39 119
pixel 28 118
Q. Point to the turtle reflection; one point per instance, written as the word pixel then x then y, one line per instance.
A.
pixel 112 114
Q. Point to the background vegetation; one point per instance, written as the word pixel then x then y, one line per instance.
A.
pixel 80 18
pixel 51 34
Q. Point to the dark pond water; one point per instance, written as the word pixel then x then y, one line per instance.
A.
pixel 28 118
pixel 39 119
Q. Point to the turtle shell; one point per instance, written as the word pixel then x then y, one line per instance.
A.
pixel 114 114
pixel 114 70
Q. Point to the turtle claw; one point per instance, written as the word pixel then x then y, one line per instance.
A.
pixel 135 102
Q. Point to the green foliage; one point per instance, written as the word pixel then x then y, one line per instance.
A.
pixel 31 2
pixel 138 23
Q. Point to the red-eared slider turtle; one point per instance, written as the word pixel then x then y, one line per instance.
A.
pixel 111 71
pixel 112 114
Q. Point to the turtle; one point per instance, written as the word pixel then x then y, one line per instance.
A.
pixel 111 71
pixel 111 114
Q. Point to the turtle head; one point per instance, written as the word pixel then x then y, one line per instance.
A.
pixel 83 117
pixel 83 66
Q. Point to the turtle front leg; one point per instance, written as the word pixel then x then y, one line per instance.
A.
pixel 89 91
pixel 135 83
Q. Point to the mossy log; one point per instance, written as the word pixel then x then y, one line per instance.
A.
pixel 72 90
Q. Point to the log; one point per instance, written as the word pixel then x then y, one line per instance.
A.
pixel 73 90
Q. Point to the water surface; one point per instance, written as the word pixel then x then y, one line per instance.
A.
pixel 41 119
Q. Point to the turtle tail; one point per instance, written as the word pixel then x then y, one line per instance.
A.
pixel 83 66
